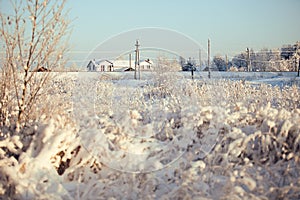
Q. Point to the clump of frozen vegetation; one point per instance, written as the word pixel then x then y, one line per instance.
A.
pixel 163 137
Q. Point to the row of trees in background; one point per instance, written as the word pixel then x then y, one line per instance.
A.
pixel 284 59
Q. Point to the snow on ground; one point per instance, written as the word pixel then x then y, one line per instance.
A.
pixel 166 136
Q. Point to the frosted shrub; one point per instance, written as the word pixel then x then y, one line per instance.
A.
pixel 32 40
pixel 152 139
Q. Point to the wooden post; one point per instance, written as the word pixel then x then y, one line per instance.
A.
pixel 298 66
pixel 208 58
pixel 248 59
pixel 136 57
pixel 200 58
pixel 297 55
pixel 192 72
pixel 130 61
pixel 226 62
pixel 139 65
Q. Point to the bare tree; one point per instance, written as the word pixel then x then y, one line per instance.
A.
pixel 34 35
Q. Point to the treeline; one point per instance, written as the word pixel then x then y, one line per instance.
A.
pixel 284 59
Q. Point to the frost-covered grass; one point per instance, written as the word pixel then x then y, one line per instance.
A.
pixel 163 137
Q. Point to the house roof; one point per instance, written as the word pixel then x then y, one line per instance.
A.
pixel 99 62
pixel 146 62
pixel 123 63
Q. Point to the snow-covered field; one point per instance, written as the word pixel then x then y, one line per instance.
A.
pixel 166 136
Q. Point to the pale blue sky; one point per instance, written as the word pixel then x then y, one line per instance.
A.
pixel 232 25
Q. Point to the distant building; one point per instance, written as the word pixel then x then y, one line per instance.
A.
pixel 118 65
pixel 123 65
pixel 146 65
pixel 100 66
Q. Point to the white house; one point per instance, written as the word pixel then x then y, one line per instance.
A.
pixel 123 65
pixel 118 65
pixel 91 66
pixel 105 66
pixel 100 66
pixel 146 65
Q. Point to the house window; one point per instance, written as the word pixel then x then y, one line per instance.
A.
pixel 102 68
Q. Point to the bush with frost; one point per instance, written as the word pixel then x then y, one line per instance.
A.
pixel 33 34
pixel 209 139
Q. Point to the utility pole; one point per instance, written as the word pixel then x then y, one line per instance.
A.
pixel 226 62
pixel 200 58
pixel 130 61
pixel 298 66
pixel 208 59
pixel 297 56
pixel 192 72
pixel 139 64
pixel 248 59
pixel 136 57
